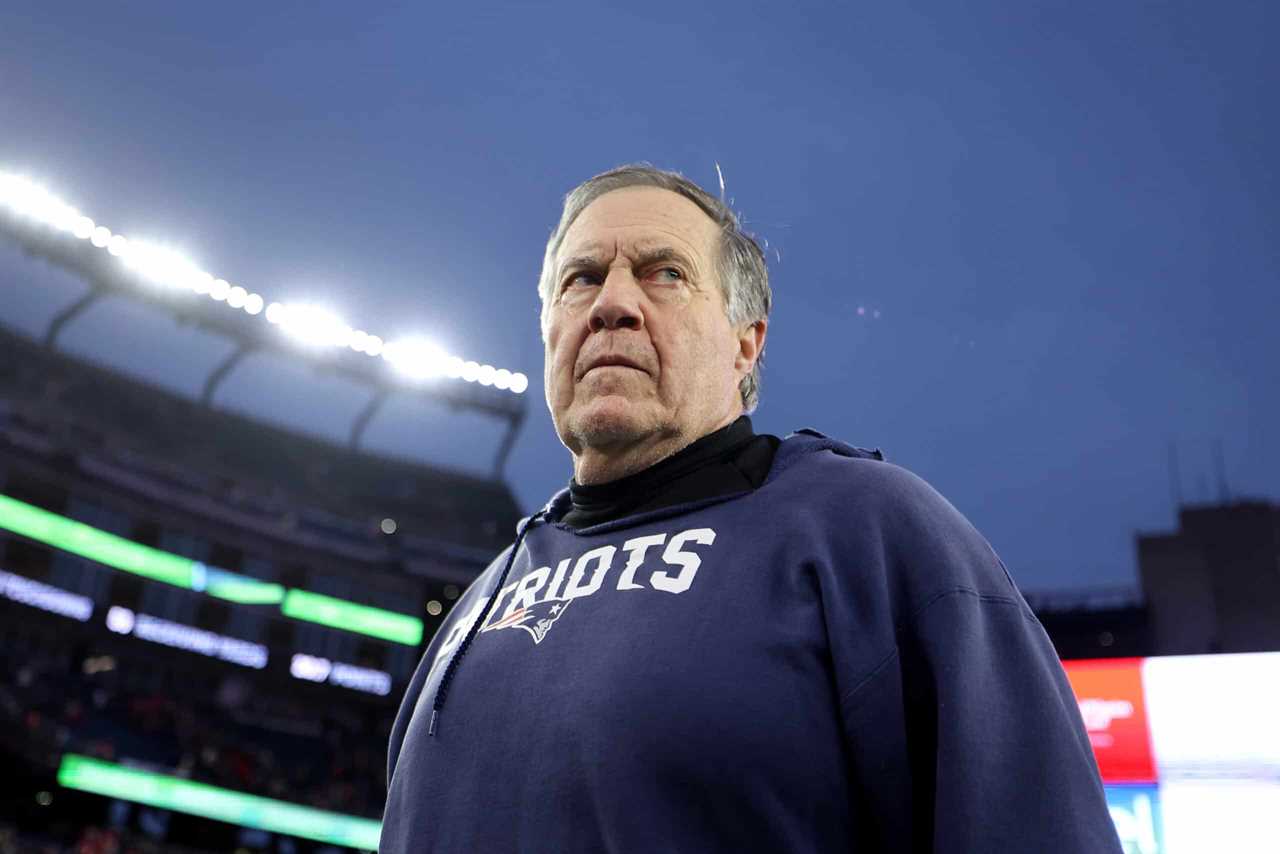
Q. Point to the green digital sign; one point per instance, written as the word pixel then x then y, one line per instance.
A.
pixel 237 588
pixel 92 543
pixel 341 614
pixel 127 556
pixel 174 793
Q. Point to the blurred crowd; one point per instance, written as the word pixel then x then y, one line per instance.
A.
pixel 229 733
pixel 86 840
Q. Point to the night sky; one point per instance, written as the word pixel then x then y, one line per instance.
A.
pixel 1021 247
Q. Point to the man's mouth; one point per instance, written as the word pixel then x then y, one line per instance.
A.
pixel 613 362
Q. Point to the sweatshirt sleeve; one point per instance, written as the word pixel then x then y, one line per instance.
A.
pixel 964 736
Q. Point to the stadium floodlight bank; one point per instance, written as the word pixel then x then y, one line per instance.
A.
pixel 47 226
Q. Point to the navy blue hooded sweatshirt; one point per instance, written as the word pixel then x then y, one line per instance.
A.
pixel 835 661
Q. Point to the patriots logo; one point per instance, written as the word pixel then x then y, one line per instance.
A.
pixel 536 619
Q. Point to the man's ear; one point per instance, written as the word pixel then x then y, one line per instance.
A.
pixel 750 346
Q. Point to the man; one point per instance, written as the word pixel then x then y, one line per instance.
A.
pixel 719 641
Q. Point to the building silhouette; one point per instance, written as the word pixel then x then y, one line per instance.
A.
pixel 1211 586
pixel 1214 585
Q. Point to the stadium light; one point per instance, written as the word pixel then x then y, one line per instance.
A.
pixel 162 266
pixel 416 358
pixel 29 200
pixel 311 325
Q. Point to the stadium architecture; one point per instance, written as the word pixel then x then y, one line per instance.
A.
pixel 204 640
pixel 206 621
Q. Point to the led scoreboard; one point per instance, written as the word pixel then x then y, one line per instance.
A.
pixel 1188 748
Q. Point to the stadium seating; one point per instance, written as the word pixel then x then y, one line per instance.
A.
pixel 164 472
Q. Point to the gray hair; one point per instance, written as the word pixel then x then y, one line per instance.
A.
pixel 744 278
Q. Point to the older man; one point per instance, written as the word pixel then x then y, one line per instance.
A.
pixel 714 640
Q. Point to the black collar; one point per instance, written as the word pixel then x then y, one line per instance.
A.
pixel 732 459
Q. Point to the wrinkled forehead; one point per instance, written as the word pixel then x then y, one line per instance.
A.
pixel 638 220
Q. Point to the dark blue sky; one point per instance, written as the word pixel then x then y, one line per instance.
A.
pixel 1065 215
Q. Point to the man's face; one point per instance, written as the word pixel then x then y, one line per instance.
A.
pixel 638 346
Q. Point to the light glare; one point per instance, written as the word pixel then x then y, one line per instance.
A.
pixel 30 200
pixel 68 219
pixel 312 325
pixel 416 358
pixel 162 266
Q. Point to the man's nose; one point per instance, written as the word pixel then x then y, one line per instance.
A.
pixel 617 306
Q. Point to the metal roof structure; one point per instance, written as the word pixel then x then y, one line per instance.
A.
pixel 108 277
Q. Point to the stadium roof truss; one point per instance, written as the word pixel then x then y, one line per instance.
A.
pixel 46 227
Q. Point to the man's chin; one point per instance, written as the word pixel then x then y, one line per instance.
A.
pixel 610 422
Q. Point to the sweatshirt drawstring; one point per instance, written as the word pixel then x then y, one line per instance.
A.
pixel 452 668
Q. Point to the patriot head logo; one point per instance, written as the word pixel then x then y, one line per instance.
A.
pixel 536 619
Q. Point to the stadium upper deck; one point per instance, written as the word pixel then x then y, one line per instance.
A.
pixel 287 480
pixel 84 446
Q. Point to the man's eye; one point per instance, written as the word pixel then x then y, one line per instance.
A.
pixel 581 279
pixel 668 274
